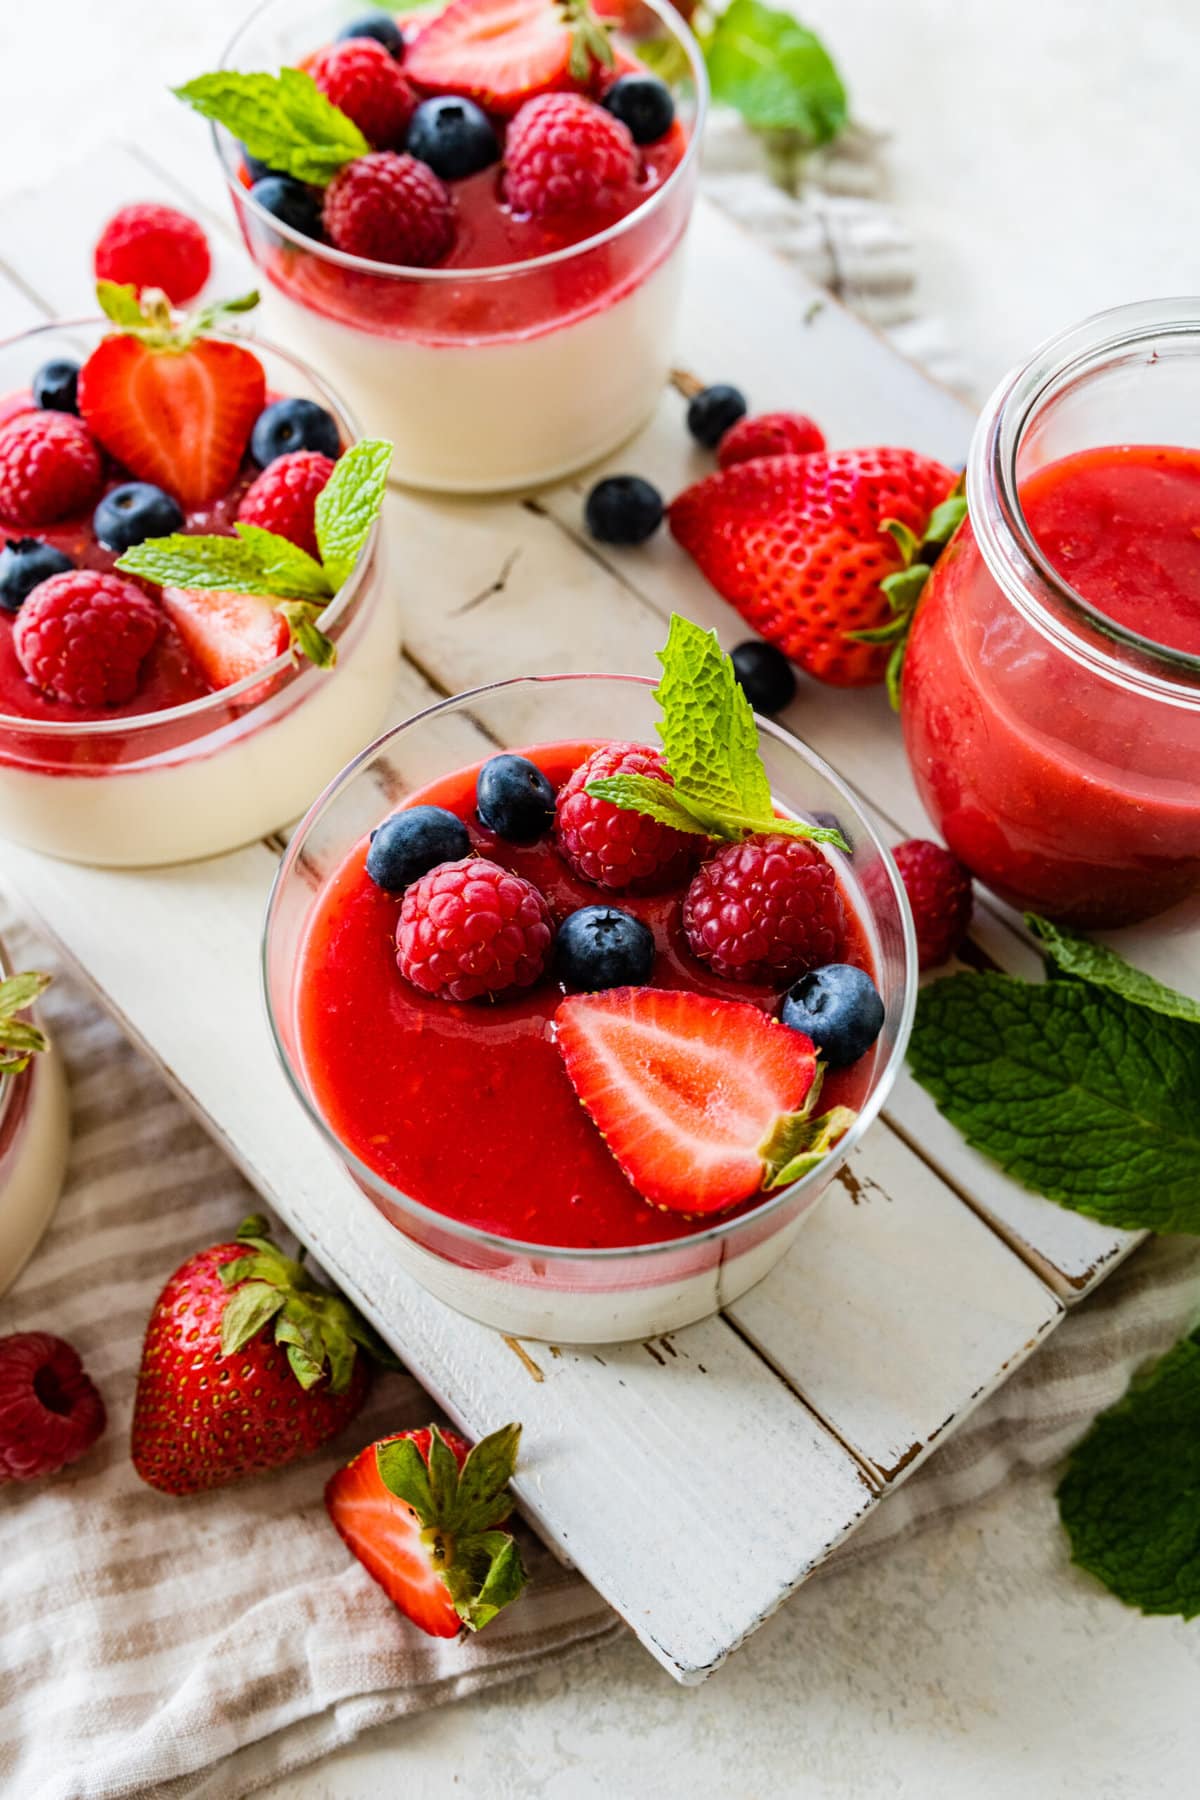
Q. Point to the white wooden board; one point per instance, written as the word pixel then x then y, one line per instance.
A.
pixel 696 1481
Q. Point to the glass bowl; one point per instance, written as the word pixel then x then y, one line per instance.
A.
pixel 34 1137
pixel 543 1290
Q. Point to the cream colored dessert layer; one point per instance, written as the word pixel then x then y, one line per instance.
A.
pixel 33 1166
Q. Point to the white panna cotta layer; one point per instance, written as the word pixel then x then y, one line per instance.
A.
pixel 33 1163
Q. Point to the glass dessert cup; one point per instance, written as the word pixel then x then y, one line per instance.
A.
pixel 34 1135
pixel 549 1291
pixel 488 378
pixel 219 771
pixel 1057 750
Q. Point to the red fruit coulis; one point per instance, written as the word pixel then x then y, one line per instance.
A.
pixel 468 1108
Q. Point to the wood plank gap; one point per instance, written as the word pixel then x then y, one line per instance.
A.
pixel 161 173
pixel 23 287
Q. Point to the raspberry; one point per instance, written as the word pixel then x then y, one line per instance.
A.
pixel 565 155
pixel 770 434
pixel 49 467
pixel 940 894
pixel 471 929
pixel 612 847
pixel 83 637
pixel 365 83
pixel 50 1411
pixel 765 910
pixel 283 498
pixel 390 208
pixel 154 246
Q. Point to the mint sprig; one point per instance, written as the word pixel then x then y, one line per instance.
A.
pixel 257 561
pixel 1071 954
pixel 720 788
pixel 283 120
pixel 19 1040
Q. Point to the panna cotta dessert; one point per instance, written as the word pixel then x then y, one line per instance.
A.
pixel 595 1020
pixel 194 627
pixel 34 1129
pixel 473 217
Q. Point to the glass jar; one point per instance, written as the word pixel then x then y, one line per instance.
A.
pixel 34 1135
pixel 1058 751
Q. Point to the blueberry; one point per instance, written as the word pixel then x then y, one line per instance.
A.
pixel 603 947
pixel 412 842
pixel 712 411
pixel 54 386
pixel 290 202
pixel 623 509
pixel 514 799
pixel 23 563
pixel 136 510
pixel 378 25
pixel 644 104
pixel 765 675
pixel 288 425
pixel 453 136
pixel 839 1008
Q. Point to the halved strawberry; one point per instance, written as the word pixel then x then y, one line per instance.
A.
pixel 702 1101
pixel 227 635
pixel 501 53
pixel 420 1510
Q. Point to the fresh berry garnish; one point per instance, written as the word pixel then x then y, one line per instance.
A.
pixel 765 676
pixel 364 81
pixel 283 499
pixel 380 26
pixel 24 564
pixel 713 411
pixel 514 799
pixel 471 930
pixel 50 1410
pixel 83 637
pixel 454 136
pixel 173 406
pixel 291 202
pixel 55 386
pixel 623 509
pixel 703 1102
pixel 802 546
pixel 565 156
pixel 765 910
pixel 248 1364
pixel 49 468
pixel 412 842
pixel 295 424
pixel 603 947
pixel 501 53
pixel 421 1510
pixel 390 208
pixel 153 246
pixel 615 847
pixel 644 104
pixel 769 434
pixel 136 510
pixel 941 896
pixel 839 1008
pixel 227 635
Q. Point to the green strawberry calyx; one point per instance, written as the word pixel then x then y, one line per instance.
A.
pixel 460 1512
pixel 719 787
pixel 19 1040
pixel 590 40
pixel 150 316
pixel 797 1142
pixel 905 585
pixel 318 1330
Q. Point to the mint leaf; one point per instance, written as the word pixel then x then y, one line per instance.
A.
pixel 254 562
pixel 1130 1499
pixel 642 794
pixel 1077 1092
pixel 119 302
pixel 18 1039
pixel 707 726
pixel 349 503
pixel 775 72
pixel 284 120
pixel 1074 955
pixel 301 617
pixel 284 568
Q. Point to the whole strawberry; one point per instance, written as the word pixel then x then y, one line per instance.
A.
pixel 803 545
pixel 50 1411
pixel 940 894
pixel 248 1364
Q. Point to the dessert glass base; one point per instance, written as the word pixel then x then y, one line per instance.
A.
pixel 34 1138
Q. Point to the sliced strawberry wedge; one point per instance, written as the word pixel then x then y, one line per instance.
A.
pixel 499 53
pixel 689 1092
pixel 385 1535
pixel 228 636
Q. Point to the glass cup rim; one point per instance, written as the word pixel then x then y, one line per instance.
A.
pixel 675 24
pixel 8 1081
pixel 560 1253
pixel 59 729
pixel 1013 556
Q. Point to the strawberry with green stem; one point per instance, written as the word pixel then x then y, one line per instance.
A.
pixel 19 1039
